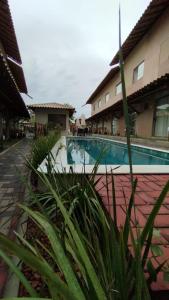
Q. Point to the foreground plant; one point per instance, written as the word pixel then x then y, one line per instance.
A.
pixel 86 256
pixel 41 147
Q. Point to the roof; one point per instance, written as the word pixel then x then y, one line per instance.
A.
pixel 151 14
pixel 10 45
pixel 9 92
pixel 18 73
pixel 52 105
pixel 108 77
pixel 155 9
pixel 152 87
pixel 7 32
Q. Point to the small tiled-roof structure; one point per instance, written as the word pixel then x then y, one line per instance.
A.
pixel 158 84
pixel 10 45
pixel 155 9
pixel 53 105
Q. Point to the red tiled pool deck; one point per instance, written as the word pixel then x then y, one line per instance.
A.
pixel 148 189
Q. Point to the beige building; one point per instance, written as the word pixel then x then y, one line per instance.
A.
pixel 146 64
pixel 81 121
pixel 53 115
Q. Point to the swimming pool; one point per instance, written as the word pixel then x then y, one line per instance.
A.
pixel 108 152
pixel 80 154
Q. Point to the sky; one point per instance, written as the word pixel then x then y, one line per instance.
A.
pixel 67 46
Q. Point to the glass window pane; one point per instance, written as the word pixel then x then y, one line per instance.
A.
pixel 99 103
pixel 107 97
pixel 118 88
pixel 138 72
pixel 162 117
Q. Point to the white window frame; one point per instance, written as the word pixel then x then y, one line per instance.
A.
pixel 107 98
pixel 138 72
pixel 99 103
pixel 119 88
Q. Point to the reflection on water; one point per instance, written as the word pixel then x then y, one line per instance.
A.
pixel 88 151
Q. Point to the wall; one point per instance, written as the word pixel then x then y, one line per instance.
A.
pixel 41 116
pixel 121 126
pixel 144 122
pixel 153 49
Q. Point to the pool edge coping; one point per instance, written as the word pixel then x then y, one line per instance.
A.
pixel 61 166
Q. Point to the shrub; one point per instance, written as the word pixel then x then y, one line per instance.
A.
pixel 41 147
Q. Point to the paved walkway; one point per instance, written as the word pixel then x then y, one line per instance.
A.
pixel 148 189
pixel 12 166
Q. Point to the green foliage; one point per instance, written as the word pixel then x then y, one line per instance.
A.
pixel 85 246
pixel 41 147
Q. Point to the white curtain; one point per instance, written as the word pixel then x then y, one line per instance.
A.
pixel 162 118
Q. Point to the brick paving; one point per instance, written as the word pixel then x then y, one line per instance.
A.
pixel 148 189
pixel 12 166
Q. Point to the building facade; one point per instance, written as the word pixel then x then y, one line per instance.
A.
pixel 81 122
pixel 146 65
pixel 12 81
pixel 53 115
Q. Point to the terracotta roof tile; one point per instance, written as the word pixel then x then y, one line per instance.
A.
pixel 155 9
pixel 7 32
pixel 52 105
pixel 10 45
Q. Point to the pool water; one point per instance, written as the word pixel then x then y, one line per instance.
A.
pixel 89 150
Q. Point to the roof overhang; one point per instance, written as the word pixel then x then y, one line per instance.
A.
pixel 155 9
pixel 10 98
pixel 160 84
pixel 46 106
pixel 7 32
pixel 108 77
pixel 10 45
pixel 18 73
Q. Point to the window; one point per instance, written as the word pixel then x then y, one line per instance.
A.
pixel 162 117
pixel 118 88
pixel 138 72
pixel 107 97
pixel 99 103
pixel 93 107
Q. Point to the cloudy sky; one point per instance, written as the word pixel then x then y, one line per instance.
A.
pixel 66 46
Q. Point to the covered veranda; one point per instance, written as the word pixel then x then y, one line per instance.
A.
pixel 12 106
pixel 143 113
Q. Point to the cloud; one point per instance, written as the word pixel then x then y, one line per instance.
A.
pixel 66 46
